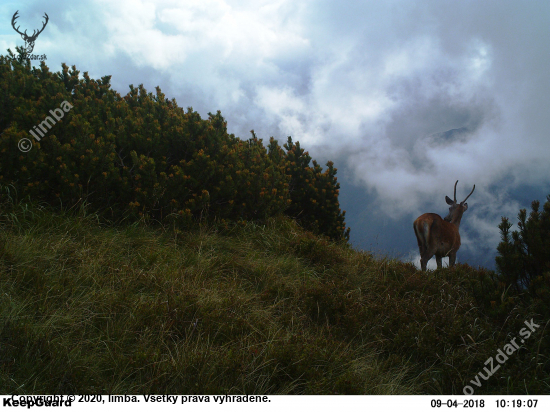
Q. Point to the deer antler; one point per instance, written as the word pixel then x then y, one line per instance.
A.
pixel 13 24
pixel 469 194
pixel 455 191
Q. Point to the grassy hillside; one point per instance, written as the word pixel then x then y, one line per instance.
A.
pixel 93 308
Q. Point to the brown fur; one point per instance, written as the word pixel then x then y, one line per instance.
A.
pixel 440 237
pixel 436 236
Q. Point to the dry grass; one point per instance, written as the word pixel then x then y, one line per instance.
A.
pixel 258 309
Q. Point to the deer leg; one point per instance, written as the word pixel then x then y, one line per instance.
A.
pixel 424 258
pixel 452 258
pixel 438 261
pixel 423 263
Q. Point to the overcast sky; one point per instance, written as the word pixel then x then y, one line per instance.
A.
pixel 405 96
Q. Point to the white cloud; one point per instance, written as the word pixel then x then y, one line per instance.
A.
pixel 374 84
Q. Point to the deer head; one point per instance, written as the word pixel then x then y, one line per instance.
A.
pixel 457 209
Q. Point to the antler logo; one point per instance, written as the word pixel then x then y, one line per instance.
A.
pixel 29 40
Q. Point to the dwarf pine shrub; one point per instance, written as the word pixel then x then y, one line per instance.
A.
pixel 142 156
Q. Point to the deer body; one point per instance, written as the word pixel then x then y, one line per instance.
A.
pixel 440 237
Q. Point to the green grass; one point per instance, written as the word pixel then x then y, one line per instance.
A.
pixel 87 307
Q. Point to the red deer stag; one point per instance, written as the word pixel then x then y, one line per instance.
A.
pixel 440 237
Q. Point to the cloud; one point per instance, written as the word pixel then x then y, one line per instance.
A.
pixel 407 96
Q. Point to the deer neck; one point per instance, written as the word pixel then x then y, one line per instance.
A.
pixel 456 221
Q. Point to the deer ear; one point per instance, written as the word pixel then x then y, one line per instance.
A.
pixel 465 206
pixel 448 200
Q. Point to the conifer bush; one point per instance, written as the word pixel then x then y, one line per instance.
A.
pixel 314 194
pixel 143 156
pixel 523 259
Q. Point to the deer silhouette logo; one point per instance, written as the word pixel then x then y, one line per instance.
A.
pixel 29 40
